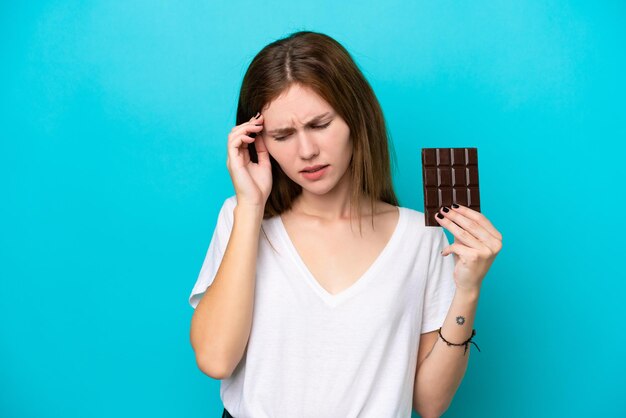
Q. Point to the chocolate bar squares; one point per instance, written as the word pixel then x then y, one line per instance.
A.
pixel 450 175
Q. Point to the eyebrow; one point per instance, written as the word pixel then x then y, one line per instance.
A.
pixel 291 129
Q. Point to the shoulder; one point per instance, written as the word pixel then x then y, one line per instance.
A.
pixel 226 213
pixel 412 213
pixel 415 218
pixel 230 202
pixel 416 223
pixel 227 210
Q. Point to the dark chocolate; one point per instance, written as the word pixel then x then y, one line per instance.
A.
pixel 450 175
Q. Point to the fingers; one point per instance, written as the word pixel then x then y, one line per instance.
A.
pixel 460 250
pixel 242 135
pixel 459 233
pixel 248 129
pixel 479 218
pixel 253 125
pixel 467 230
pixel 261 150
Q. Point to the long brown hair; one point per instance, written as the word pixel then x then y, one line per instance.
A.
pixel 319 62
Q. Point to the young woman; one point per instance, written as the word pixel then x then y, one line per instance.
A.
pixel 316 318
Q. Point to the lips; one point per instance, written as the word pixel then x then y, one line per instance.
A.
pixel 313 168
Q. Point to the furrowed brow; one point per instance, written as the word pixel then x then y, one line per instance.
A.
pixel 313 121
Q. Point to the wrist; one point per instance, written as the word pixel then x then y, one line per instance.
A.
pixel 468 293
pixel 249 212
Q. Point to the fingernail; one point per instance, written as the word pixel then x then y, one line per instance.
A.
pixel 440 216
pixel 257 115
pixel 445 209
pixel 454 205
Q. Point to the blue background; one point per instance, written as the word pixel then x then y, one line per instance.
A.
pixel 114 117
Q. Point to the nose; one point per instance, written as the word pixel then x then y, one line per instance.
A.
pixel 307 147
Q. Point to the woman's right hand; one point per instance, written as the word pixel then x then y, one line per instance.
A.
pixel 253 182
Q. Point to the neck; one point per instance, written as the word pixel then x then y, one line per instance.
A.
pixel 332 206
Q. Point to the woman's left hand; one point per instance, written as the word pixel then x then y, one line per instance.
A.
pixel 476 245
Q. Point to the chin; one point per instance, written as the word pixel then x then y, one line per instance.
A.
pixel 315 187
pixel 318 192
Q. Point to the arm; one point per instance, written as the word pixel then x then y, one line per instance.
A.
pixel 476 245
pixel 440 367
pixel 221 323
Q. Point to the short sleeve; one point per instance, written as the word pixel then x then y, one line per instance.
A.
pixel 440 286
pixel 216 250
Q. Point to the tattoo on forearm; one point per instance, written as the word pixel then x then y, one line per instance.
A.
pixel 460 320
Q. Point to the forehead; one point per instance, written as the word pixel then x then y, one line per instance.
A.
pixel 298 103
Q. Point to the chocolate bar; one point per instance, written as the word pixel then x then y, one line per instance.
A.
pixel 450 176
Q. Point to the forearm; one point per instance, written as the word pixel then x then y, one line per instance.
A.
pixel 222 321
pixel 441 372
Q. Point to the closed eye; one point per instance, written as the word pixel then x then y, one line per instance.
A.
pixel 280 138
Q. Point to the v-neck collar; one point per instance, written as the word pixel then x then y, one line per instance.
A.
pixel 327 297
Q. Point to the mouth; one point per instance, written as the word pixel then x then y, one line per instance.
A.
pixel 317 168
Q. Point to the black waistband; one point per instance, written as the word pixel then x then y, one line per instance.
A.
pixel 226 414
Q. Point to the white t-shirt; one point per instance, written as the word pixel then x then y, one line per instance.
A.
pixel 312 354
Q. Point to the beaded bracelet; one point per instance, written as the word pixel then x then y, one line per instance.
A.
pixel 465 343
